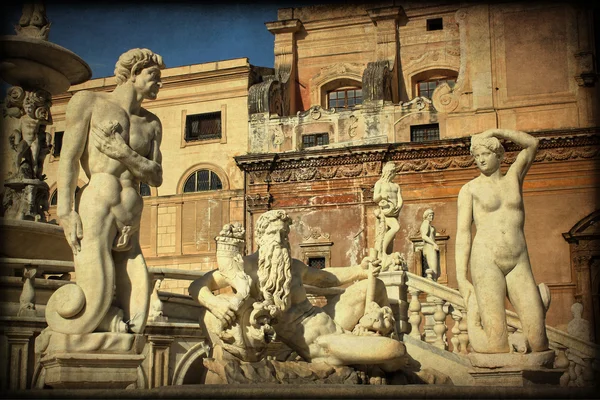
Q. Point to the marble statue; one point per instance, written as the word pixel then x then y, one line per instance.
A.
pixel 388 197
pixel 497 254
pixel 578 326
pixel 116 141
pixel 281 303
pixel 25 115
pixel 430 247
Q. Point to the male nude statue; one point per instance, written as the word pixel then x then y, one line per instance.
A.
pixel 116 141
pixel 316 334
pixel 498 252
pixel 387 195
pixel 430 247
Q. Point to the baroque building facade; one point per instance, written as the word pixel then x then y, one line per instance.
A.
pixel 356 86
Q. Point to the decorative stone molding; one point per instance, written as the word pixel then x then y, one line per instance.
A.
pixel 314 113
pixel 316 244
pixel 331 73
pixel 417 104
pixel 446 99
pixel 326 164
pixel 266 97
pixel 258 202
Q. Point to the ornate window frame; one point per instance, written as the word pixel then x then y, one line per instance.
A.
pixel 333 77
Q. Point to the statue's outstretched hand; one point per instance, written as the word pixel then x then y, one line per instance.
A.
pixel 373 261
pixel 106 139
pixel 224 310
pixel 73 230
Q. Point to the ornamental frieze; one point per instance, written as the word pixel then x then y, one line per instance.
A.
pixel 366 161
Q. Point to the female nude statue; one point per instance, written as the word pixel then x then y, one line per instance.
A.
pixel 430 248
pixel 498 253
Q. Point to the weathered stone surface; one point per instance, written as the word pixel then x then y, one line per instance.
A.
pixel 50 342
pixel 91 370
pixel 531 360
pixel 271 371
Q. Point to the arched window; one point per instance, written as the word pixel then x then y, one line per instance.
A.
pixel 145 190
pixel 54 196
pixel 425 82
pixel 202 180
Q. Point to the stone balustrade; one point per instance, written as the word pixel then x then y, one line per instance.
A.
pixel 173 324
pixel 432 306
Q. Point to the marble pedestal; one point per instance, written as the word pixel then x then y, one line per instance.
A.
pixel 91 370
pixel 100 360
pixel 514 369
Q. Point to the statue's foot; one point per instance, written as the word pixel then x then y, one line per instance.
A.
pixel 113 322
pixel 371 375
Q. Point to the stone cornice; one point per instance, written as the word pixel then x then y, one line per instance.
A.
pixel 448 154
pixel 171 82
pixel 284 26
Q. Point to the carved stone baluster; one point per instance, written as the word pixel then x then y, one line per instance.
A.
pixel 457 317
pixel 440 328
pixel 428 309
pixel 429 273
pixel 27 298
pixel 463 337
pixel 415 314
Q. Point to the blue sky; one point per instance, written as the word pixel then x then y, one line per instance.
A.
pixel 183 33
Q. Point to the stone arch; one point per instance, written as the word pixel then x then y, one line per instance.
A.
pixel 428 72
pixel 208 166
pixel 195 354
pixel 334 76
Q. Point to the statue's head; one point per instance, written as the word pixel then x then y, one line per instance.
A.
pixel 37 105
pixel 274 261
pixel 140 63
pixel 388 171
pixel 272 225
pixel 428 213
pixel 490 143
pixel 488 153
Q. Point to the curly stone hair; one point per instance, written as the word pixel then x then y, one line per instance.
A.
pixel 491 143
pixel 135 60
pixel 266 219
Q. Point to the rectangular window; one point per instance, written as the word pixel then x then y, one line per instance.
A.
pixel 205 126
pixel 435 24
pixel 57 146
pixel 344 98
pixel 424 133
pixel 316 262
pixel 317 139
